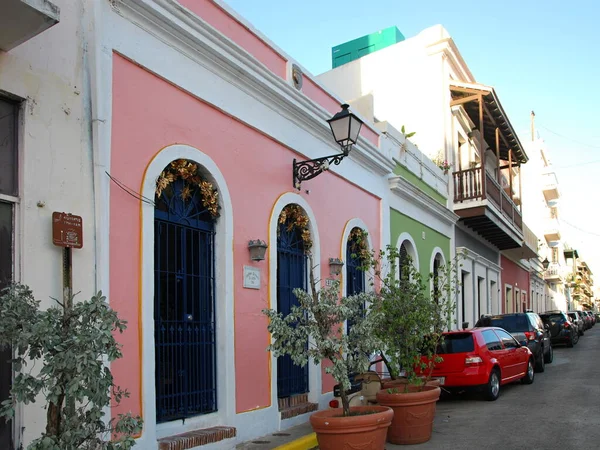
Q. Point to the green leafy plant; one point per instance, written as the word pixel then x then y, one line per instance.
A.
pixel 408 135
pixel 73 342
pixel 318 321
pixel 410 314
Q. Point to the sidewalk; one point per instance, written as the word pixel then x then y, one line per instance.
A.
pixel 300 437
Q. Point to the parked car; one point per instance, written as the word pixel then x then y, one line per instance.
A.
pixel 578 320
pixel 591 318
pixel 562 330
pixel 586 320
pixel 525 326
pixel 484 358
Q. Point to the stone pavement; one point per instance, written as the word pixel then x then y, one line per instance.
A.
pixel 300 437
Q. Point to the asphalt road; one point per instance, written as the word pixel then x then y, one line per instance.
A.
pixel 560 410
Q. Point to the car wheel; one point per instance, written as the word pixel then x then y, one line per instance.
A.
pixel 540 365
pixel 492 389
pixel 530 374
pixel 570 342
pixel 549 357
pixel 575 339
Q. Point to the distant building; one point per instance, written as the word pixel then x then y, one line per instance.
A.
pixel 423 85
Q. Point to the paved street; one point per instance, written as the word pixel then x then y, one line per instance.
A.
pixel 560 410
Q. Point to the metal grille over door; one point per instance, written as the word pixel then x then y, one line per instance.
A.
pixel 291 274
pixel 355 276
pixel 184 306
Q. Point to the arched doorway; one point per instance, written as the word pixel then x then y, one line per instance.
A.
pixel 184 293
pixel 293 243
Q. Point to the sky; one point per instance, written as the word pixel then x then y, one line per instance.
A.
pixel 538 55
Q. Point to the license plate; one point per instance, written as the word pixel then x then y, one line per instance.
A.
pixel 442 380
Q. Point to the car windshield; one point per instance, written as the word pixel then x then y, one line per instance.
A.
pixel 511 323
pixel 456 343
pixel 552 318
pixel 573 316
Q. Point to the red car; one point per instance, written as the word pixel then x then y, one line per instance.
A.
pixel 486 357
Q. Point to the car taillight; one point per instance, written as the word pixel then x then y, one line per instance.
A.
pixel 473 360
pixel 334 403
pixel 567 325
pixel 530 335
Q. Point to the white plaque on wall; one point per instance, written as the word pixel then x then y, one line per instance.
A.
pixel 251 277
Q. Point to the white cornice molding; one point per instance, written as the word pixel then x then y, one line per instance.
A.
pixel 408 191
pixel 194 38
pixel 448 48
pixel 467 252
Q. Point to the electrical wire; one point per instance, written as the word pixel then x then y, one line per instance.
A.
pixel 569 138
pixel 579 229
pixel 130 191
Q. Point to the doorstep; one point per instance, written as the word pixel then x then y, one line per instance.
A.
pixel 193 439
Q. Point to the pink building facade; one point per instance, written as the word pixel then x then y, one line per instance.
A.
pixel 515 281
pixel 200 88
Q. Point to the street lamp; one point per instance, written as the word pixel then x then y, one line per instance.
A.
pixel 345 127
pixel 545 263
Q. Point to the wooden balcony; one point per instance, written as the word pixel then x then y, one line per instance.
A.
pixel 487 209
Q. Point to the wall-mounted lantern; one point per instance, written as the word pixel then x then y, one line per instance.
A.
pixel 335 266
pixel 345 127
pixel 545 263
pixel 257 249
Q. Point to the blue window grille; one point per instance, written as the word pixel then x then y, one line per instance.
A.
pixel 291 274
pixel 355 276
pixel 184 306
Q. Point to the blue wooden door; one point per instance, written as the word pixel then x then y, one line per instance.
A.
pixel 184 307
pixel 355 276
pixel 291 274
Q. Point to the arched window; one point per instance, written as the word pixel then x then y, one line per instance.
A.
pixel 293 243
pixel 184 293
pixel 404 261
pixel 437 263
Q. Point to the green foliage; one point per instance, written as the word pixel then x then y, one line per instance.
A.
pixel 408 135
pixel 318 320
pixel 73 342
pixel 411 313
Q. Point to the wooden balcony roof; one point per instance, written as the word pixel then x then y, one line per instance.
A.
pixel 468 95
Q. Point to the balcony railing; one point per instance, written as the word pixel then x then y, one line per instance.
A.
pixel 553 272
pixel 469 187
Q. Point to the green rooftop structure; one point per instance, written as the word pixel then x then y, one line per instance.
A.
pixel 357 48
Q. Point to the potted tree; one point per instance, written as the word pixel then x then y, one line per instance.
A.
pixel 318 320
pixel 410 314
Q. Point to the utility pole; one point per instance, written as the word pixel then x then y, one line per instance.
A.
pixel 532 126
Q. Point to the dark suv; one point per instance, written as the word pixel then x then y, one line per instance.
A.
pixel 562 330
pixel 525 327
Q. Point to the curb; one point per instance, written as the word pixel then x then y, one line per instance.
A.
pixel 304 443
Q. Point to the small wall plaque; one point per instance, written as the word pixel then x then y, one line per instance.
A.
pixel 329 282
pixel 251 277
pixel 67 230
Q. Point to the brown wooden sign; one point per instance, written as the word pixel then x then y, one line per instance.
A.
pixel 67 230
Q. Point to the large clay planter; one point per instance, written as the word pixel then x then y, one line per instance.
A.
pixel 414 412
pixel 401 382
pixel 365 432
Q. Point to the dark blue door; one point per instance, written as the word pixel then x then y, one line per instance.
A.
pixel 184 307
pixel 291 274
pixel 355 277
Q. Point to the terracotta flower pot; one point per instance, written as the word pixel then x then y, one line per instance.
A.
pixel 413 413
pixel 365 431
pixel 387 384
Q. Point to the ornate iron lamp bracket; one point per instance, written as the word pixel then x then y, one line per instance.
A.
pixel 307 170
